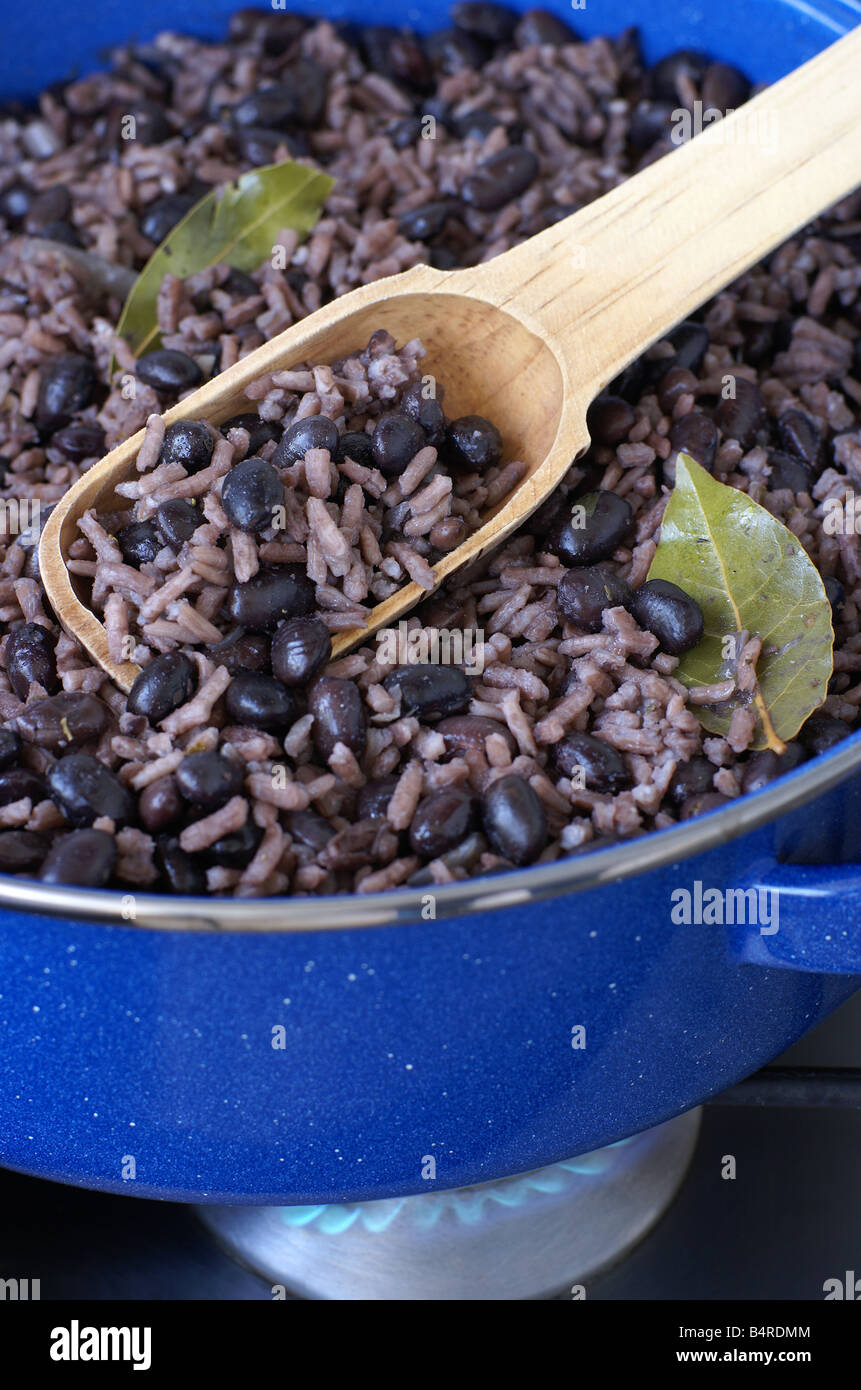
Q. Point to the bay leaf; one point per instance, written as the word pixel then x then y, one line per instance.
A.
pixel 748 573
pixel 235 225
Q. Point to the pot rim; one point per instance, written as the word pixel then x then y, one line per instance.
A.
pixel 399 906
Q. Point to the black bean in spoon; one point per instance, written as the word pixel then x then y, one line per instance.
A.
pixel 270 596
pixel 139 543
pixel 395 442
pixel 473 443
pixel 189 443
pixel 300 650
pixel 177 520
pixel 250 494
pixel 314 432
pixel 162 686
pixel 260 701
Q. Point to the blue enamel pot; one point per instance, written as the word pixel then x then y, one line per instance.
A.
pixel 317 1051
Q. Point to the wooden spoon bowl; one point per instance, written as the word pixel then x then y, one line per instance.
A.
pixel 529 338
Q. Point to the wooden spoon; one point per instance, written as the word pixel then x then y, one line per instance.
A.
pixel 529 338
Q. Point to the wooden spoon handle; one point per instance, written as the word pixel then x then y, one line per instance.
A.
pixel 614 277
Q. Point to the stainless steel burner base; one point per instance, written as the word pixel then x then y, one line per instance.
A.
pixel 527 1236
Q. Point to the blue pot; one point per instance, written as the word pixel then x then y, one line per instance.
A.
pixel 318 1051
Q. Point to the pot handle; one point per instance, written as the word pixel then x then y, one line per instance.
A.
pixel 809 918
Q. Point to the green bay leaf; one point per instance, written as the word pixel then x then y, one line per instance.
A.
pixel 236 225
pixel 748 573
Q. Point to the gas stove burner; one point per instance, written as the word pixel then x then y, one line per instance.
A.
pixel 528 1236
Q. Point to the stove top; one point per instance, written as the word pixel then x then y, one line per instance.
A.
pixel 787 1222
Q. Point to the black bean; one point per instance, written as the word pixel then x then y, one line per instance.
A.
pixel 357 446
pixel 259 701
pixel 405 132
pixel 51 205
pixel 698 805
pixel 500 179
pixel 821 732
pixel 368 842
pixel 629 384
pixel 724 88
pixel 250 493
pixel 15 202
pixel 602 768
pixel 168 370
pixel 139 542
pixel 210 779
pixel 477 124
pixel 542 27
pixel 425 222
pixel 801 436
pixel 692 778
pixel 21 851
pixel 62 232
pixel 274 32
pixel 742 416
pixel 188 442
pixel 236 850
pixel 159 218
pixel 84 859
pixel 71 717
pixel 683 65
pixel 241 651
pixel 20 782
pixel 696 434
pixel 259 431
pixel 29 656
pixel 609 420
pixel 260 146
pixel 470 731
pixel 339 716
pixel 590 529
pixel 672 615
pixel 764 767
pixel 184 874
pixel 650 121
pixel 65 387
pixel 159 805
pixel 10 748
pixel 514 820
pixel 834 592
pixel 151 124
pixel 585 593
pixel 300 650
pixel 374 797
pixel 299 100
pixel 86 789
pixel 675 383
pixel 448 533
pixel 788 471
pixel 691 341
pixel 177 520
pixel 400 57
pixel 395 441
pixel 473 443
pixel 428 689
pixel 310 829
pixel 453 50
pixel 240 286
pixel 441 822
pixel 495 23
pixel 162 686
pixel 84 439
pixel 442 258
pixel 314 432
pixel 273 594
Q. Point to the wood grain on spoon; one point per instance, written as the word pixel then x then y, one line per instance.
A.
pixel 531 337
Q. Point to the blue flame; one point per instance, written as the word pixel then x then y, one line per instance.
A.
pixel 466 1204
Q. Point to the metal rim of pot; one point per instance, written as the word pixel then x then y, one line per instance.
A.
pixel 572 874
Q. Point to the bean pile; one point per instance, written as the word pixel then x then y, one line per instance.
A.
pixel 246 761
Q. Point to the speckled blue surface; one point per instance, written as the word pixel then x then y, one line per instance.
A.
pixel 452 1038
